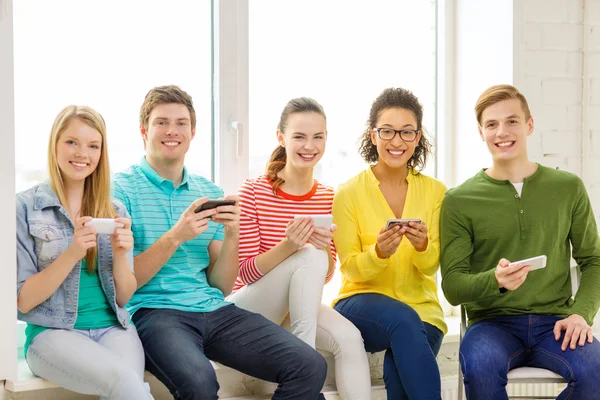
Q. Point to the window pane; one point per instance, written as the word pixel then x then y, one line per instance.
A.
pixel 342 55
pixel 107 55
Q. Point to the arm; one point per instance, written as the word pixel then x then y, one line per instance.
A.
pixel 33 287
pixel 39 287
pixel 428 261
pixel 253 264
pixel 122 248
pixel 271 258
pixel 190 224
pixel 224 254
pixel 250 256
pixel 125 281
pixel 148 263
pixel 358 263
pixel 332 261
pixel 323 239
pixel 586 251
pixel 223 269
pixel 460 286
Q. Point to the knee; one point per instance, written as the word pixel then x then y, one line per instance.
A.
pixel 319 368
pixel 585 375
pixel 126 384
pixel 314 258
pixel 408 324
pixel 478 360
pixel 196 384
pixel 310 367
pixel 347 341
pixel 187 377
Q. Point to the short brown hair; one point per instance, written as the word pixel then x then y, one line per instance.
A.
pixel 496 94
pixel 170 94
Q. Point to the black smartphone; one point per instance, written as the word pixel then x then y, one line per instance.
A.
pixel 214 204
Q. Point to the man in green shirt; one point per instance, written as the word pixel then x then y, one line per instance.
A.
pixel 512 211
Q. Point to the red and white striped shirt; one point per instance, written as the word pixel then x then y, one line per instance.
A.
pixel 265 217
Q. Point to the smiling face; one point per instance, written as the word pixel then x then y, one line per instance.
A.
pixel 304 139
pixel 169 133
pixel 78 151
pixel 395 153
pixel 504 128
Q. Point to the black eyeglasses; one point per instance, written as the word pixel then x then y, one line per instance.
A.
pixel 389 134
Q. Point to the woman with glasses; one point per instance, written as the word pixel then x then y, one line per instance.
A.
pixel 388 287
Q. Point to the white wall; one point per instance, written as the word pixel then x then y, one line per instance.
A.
pixel 8 306
pixel 557 67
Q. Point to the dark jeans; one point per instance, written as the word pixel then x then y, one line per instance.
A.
pixel 410 370
pixel 494 346
pixel 178 346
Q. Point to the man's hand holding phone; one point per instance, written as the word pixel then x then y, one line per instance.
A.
pixel 229 214
pixel 511 276
pixel 191 223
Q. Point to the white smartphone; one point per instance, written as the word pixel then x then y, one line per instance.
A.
pixel 400 221
pixel 538 262
pixel 104 225
pixel 323 221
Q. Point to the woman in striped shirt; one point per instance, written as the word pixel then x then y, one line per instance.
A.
pixel 285 258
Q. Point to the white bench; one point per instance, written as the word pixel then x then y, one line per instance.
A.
pixel 234 385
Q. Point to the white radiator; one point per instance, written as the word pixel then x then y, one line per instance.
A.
pixel 450 389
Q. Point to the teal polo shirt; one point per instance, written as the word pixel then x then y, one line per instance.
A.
pixel 155 205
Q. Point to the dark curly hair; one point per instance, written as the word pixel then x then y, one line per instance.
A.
pixel 396 98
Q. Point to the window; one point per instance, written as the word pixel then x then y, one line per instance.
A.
pixel 107 55
pixel 343 63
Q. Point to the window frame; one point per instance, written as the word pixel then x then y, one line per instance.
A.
pixel 8 241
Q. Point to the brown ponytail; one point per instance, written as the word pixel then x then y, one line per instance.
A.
pixel 276 164
pixel 279 157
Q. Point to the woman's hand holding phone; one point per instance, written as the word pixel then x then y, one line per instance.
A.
pixel 122 239
pixel 416 233
pixel 84 238
pixel 321 237
pixel 389 240
pixel 299 230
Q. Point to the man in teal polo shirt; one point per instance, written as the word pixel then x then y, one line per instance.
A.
pixel 513 211
pixel 185 262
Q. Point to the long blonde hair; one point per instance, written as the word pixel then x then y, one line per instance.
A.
pixel 96 201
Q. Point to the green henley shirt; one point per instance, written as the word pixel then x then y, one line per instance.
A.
pixel 484 220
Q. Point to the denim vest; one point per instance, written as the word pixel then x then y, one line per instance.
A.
pixel 45 231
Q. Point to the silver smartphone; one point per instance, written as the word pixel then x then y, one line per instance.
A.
pixel 400 221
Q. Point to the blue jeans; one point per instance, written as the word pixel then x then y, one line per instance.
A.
pixel 410 370
pixel 179 344
pixel 494 346
pixel 105 362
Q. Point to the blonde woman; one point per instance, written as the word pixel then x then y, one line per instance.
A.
pixel 73 283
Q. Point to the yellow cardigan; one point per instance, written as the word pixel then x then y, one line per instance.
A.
pixel 360 211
